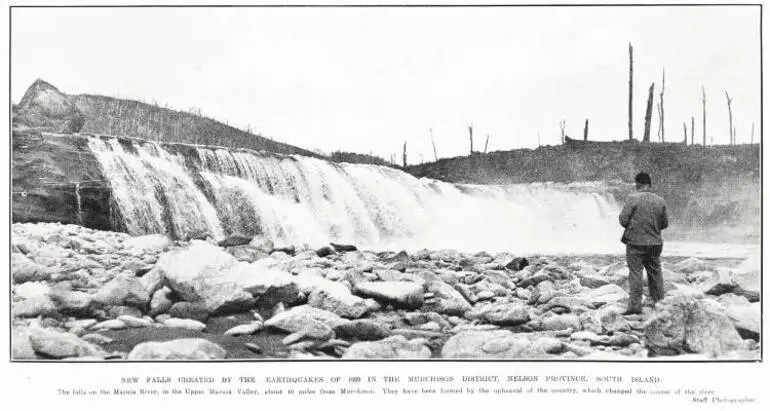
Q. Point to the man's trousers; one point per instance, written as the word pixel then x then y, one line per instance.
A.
pixel 645 257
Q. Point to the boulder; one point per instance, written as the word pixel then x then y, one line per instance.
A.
pixel 686 325
pixel 55 344
pixel 403 294
pixel 607 294
pixel 344 304
pixel 446 300
pixel 747 319
pixel 325 251
pixel 21 347
pixel 559 322
pixel 235 239
pixel 75 303
pixel 23 269
pixel 517 264
pixel 199 274
pixel 245 329
pixel 499 344
pixel 179 349
pixel 717 282
pixel 394 347
pixel 262 244
pixel 161 301
pixel 195 311
pixel 362 330
pixel 343 248
pixel 312 322
pixel 124 289
pixel 510 313
pixel 184 323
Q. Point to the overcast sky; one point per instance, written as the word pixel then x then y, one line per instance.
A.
pixel 368 79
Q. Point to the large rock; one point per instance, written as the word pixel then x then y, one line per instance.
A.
pixel 344 304
pixel 195 311
pixel 404 294
pixel 161 301
pixel 499 344
pixel 363 330
pixel 21 348
pixel 311 322
pixel 500 313
pixel 747 319
pixel 607 294
pixel 23 269
pixel 75 303
pixel 446 300
pixel 46 108
pixel 394 347
pixel 717 282
pixel 55 344
pixel 686 325
pixel 199 274
pixel 747 276
pixel 692 265
pixel 124 289
pixel 33 299
pixel 180 349
pixel 235 239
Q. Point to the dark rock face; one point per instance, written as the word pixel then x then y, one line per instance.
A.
pixel 51 173
pixel 46 108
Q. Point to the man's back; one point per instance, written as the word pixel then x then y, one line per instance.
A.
pixel 643 216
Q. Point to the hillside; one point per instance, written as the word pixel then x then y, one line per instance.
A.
pixel 43 103
pixel 713 192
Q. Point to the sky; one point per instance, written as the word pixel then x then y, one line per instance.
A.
pixel 369 79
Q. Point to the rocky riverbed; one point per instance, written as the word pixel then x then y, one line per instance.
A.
pixel 82 294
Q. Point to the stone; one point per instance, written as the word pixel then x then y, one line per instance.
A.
pixel 500 313
pixel 184 323
pixel 152 281
pixel 403 294
pixel 517 264
pixel 234 240
pixel 161 301
pixel 748 283
pixel 245 329
pixel 133 322
pixel 262 244
pixel 21 347
pixel 55 344
pixel 325 251
pixel 747 319
pixel 199 274
pixel 114 324
pixel 313 322
pixel 446 300
pixel 343 248
pixel 686 325
pixel 362 330
pixel 24 269
pixel 593 281
pixel 560 322
pixel 720 281
pixel 499 344
pixel 35 300
pixel 195 311
pixel 123 290
pixel 344 304
pixel 607 294
pixel 394 347
pixel 179 349
pixel 117 311
pixel 75 303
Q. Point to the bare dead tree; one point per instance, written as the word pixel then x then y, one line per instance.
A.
pixel 470 136
pixel 648 114
pixel 703 100
pixel 657 110
pixel 630 92
pixel 486 144
pixel 730 113
pixel 752 133
pixel 684 127
pixel 404 154
pixel 692 130
pixel 585 131
pixel 562 125
pixel 661 125
pixel 433 141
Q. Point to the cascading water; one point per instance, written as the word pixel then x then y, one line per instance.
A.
pixel 202 191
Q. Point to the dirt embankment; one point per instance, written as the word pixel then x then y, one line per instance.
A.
pixel 713 193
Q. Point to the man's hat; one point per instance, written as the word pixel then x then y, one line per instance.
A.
pixel 643 178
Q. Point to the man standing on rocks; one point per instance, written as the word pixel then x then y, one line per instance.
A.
pixel 643 217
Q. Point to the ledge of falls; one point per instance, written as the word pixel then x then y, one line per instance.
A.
pixel 185 191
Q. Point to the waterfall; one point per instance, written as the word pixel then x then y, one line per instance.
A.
pixel 194 191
